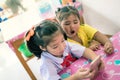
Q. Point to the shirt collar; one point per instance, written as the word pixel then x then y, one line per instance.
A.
pixel 55 59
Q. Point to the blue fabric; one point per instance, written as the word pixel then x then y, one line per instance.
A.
pixel 1 9
pixel 0 19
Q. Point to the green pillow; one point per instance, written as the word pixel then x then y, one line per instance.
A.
pixel 23 49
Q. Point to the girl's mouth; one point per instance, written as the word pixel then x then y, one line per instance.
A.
pixel 72 32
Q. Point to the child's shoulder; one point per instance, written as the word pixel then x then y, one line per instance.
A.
pixel 85 25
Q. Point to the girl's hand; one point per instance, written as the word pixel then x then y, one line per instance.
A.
pixel 84 73
pixel 95 72
pixel 101 66
pixel 94 45
pixel 97 69
pixel 108 47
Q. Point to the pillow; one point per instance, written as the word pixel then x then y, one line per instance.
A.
pixel 23 49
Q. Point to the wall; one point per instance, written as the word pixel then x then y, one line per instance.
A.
pixel 102 14
pixel 24 21
pixel 10 66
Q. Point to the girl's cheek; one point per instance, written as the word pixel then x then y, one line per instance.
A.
pixel 66 30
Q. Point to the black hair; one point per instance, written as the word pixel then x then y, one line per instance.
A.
pixel 43 34
pixel 66 11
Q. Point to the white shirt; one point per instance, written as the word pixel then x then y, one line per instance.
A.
pixel 51 65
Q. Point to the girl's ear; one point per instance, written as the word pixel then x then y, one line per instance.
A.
pixel 42 48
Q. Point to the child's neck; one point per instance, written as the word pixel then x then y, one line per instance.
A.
pixel 76 38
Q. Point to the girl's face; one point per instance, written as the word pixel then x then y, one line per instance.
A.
pixel 57 46
pixel 70 25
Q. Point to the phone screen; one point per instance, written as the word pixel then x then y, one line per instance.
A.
pixel 95 63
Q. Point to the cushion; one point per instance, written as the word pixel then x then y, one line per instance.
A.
pixel 23 49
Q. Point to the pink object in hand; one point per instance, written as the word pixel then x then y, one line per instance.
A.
pixel 112 63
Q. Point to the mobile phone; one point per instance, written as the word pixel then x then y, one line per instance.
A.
pixel 95 63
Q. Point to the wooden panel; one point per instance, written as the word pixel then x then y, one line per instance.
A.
pixel 16 45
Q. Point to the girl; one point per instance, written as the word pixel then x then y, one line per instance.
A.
pixel 69 18
pixel 46 41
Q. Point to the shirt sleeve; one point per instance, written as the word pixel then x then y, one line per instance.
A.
pixel 76 49
pixel 90 31
pixel 49 72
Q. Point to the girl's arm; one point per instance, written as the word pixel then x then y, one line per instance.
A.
pixel 81 73
pixel 104 40
pixel 89 54
pixel 101 38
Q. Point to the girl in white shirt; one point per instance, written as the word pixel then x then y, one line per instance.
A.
pixel 47 42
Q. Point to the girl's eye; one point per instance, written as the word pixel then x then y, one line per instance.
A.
pixel 67 23
pixel 54 47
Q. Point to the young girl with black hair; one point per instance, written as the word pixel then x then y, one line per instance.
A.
pixel 46 41
pixel 69 19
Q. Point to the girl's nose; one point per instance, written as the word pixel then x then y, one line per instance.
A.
pixel 72 26
pixel 62 47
